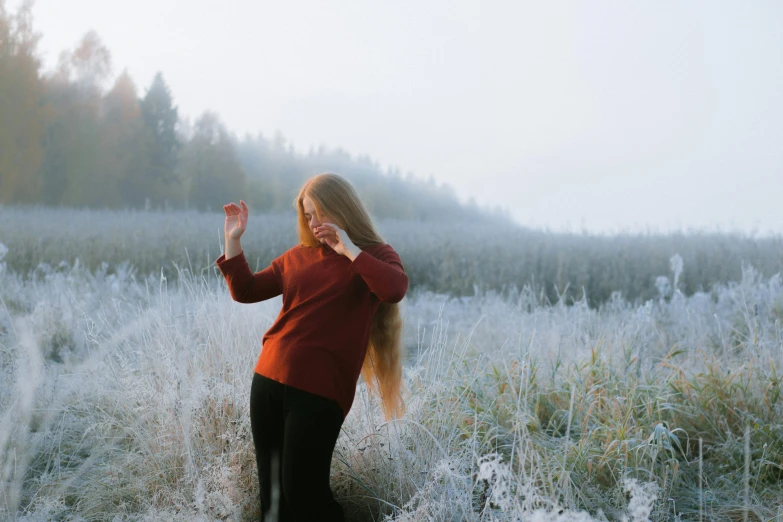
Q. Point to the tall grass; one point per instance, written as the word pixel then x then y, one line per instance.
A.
pixel 125 398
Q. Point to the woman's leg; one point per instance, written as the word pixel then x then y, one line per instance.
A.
pixel 267 421
pixel 312 426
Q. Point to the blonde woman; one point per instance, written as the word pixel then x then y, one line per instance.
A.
pixel 340 318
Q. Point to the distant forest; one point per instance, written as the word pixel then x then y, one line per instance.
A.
pixel 66 141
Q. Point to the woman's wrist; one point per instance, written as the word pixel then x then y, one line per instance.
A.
pixel 233 248
pixel 352 252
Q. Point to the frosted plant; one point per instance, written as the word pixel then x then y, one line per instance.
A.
pixel 429 503
pixel 664 287
pixel 3 252
pixel 543 515
pixel 675 263
pixel 643 496
pixel 46 509
pixel 500 480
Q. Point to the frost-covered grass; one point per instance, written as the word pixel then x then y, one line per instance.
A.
pixel 444 257
pixel 125 398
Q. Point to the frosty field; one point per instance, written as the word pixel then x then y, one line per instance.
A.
pixel 449 257
pixel 124 396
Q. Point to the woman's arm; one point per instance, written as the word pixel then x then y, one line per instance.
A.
pixel 384 274
pixel 247 287
pixel 244 285
pixel 382 271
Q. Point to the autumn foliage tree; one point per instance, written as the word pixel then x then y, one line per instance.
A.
pixel 22 118
pixel 91 181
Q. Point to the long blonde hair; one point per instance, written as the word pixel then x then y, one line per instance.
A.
pixel 382 367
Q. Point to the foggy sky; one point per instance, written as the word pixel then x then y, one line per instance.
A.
pixel 596 115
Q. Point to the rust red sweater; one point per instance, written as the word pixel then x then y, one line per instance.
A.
pixel 319 339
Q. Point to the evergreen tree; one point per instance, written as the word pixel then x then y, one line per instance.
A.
pixel 160 123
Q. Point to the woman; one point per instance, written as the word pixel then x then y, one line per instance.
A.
pixel 339 318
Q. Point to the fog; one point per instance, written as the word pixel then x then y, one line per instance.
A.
pixel 597 116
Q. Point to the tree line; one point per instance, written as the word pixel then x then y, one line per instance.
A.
pixel 67 141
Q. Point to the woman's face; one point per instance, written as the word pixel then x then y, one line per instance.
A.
pixel 312 217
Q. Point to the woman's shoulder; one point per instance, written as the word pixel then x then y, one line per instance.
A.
pixel 377 247
pixel 380 249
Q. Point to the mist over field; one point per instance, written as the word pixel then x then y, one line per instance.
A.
pixel 442 255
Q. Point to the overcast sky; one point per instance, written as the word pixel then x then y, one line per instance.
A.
pixel 597 115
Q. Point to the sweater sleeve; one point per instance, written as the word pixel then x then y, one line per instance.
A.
pixel 383 273
pixel 247 287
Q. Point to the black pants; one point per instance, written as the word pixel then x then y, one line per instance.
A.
pixel 294 433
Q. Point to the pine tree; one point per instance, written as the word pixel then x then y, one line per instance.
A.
pixel 160 122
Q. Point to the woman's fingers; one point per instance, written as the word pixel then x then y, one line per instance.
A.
pixel 334 228
pixel 328 230
pixel 233 209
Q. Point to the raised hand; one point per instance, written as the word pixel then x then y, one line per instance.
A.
pixel 236 219
pixel 338 239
